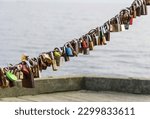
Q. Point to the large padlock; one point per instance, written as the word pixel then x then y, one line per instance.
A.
pixel 115 24
pixel 28 80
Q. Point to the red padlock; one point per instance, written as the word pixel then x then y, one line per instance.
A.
pixel 131 21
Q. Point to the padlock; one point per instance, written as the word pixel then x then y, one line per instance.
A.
pixel 133 10
pixel 98 36
pixel 42 63
pixel 91 45
pixel 80 46
pixel 66 58
pixel 35 67
pixel 54 65
pixel 46 59
pixel 25 69
pixel 4 83
pixel 102 37
pixel 75 45
pixel 73 50
pixel 107 36
pixel 138 8
pixel 11 76
pixel 92 34
pixel 84 44
pixel 69 51
pixel 86 51
pixel 122 27
pixel 28 80
pixel 95 39
pixel 146 10
pixel 126 26
pixel 131 21
pixel 57 55
pixel 115 24
pixel 106 26
pixel 147 2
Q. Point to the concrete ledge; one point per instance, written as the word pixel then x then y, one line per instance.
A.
pixel 127 85
pixel 44 85
pixel 61 84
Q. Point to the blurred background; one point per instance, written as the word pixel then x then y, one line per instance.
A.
pixel 35 26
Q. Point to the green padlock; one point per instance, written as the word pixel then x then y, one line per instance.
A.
pixel 11 76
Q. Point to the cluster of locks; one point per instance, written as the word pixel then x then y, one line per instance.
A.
pixel 30 68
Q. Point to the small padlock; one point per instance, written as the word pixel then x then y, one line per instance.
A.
pixel 84 44
pixel 91 45
pixel 103 38
pixel 80 46
pixel 127 26
pixel 131 21
pixel 4 83
pixel 147 2
pixel 86 51
pixel 66 58
pixel 69 52
pixel 122 27
pixel 75 45
pixel 54 65
pixel 107 36
pixel 57 56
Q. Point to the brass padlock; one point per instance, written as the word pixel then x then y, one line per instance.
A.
pixel 54 65
pixel 91 45
pixel 147 2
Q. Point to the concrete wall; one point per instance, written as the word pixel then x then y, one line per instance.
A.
pixel 44 85
pixel 59 84
pixel 128 85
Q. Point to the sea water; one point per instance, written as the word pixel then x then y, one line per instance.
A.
pixel 33 27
